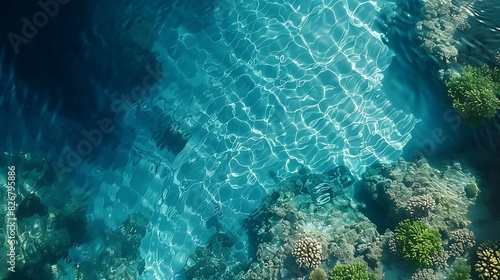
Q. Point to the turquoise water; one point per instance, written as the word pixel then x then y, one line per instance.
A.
pixel 273 90
pixel 244 95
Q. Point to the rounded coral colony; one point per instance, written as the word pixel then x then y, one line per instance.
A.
pixel 317 274
pixel 475 94
pixel 420 206
pixel 461 241
pixel 488 263
pixel 307 252
pixel 417 243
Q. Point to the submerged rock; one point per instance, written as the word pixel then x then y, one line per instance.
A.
pixel 294 232
pixel 299 229
pixel 457 33
pixel 432 194
pixel 422 192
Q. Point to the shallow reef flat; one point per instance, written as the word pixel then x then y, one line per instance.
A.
pixel 313 222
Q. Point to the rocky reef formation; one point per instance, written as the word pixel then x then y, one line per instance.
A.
pixel 310 220
pixel 41 215
pixel 440 20
pixel 312 223
pixel 439 200
pixel 216 260
pixel 416 190
pixel 451 33
pixel 296 213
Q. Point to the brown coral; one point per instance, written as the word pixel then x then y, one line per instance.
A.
pixel 461 241
pixel 424 274
pixel 420 206
pixel 307 252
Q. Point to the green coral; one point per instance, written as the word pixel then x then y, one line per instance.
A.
pixel 417 243
pixel 488 260
pixel 317 274
pixel 474 94
pixel 471 190
pixel 460 271
pixel 356 271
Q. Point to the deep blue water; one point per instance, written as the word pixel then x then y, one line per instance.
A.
pixel 195 110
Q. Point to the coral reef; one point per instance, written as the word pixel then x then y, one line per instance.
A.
pixel 471 191
pixel 317 274
pixel 488 263
pixel 440 260
pixel 391 187
pixel 397 189
pixel 474 94
pixel 356 271
pixel 307 252
pixel 420 206
pixel 312 221
pixel 451 33
pixel 391 242
pixel 423 274
pixel 293 213
pixel 460 271
pixel 439 21
pixel 306 214
pixel 417 243
pixel 461 241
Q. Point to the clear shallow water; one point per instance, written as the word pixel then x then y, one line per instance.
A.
pixel 272 92
pixel 250 90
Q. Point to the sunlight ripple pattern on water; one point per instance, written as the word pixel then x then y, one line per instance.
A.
pixel 270 86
